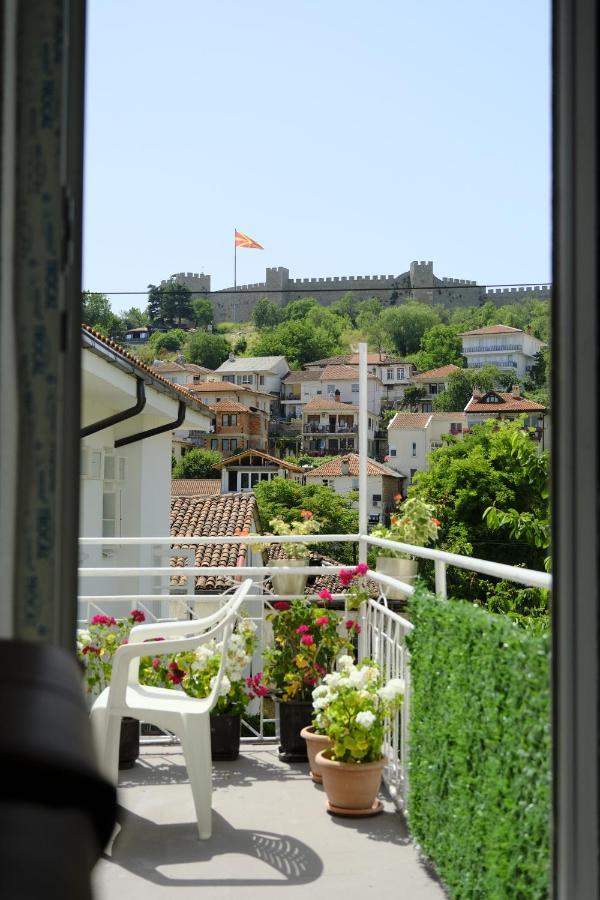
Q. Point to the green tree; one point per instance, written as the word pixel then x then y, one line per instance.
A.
pixel 202 312
pixel 368 310
pixel 206 349
pixel 198 464
pixel 298 309
pixel 168 340
pixel 440 346
pixel 265 313
pixel 134 318
pixel 347 306
pixel 495 465
pixel 154 309
pixel 411 397
pixel 97 312
pixel 299 341
pixel 169 304
pixel 461 385
pixel 286 498
pixel 406 325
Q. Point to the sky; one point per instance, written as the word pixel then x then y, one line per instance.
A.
pixel 348 138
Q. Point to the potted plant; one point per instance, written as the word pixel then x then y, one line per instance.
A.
pixel 306 643
pixel 352 708
pixel 297 553
pixel 96 646
pixel 412 523
pixel 197 671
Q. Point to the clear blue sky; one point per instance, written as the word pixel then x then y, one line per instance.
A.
pixel 346 137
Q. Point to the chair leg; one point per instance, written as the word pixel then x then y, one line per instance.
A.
pixel 195 741
pixel 107 733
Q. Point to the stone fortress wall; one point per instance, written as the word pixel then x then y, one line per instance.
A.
pixel 419 281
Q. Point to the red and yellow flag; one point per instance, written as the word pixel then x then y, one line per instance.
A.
pixel 242 240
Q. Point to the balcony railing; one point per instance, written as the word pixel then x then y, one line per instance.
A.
pixel 383 631
pixel 329 429
pixel 481 348
pixel 499 363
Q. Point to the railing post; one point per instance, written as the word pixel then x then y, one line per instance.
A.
pixel 363 450
pixel 440 579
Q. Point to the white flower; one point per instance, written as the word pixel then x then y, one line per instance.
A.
pixel 358 678
pixel 225 685
pixel 320 702
pixel 365 719
pixel 84 636
pixel 393 689
pixel 333 679
pixel 320 691
pixel 345 662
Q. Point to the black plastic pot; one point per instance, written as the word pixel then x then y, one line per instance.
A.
pixel 293 717
pixel 129 742
pixel 225 736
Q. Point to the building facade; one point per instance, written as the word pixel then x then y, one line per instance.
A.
pixel 341 474
pixel 413 436
pixel 330 426
pixel 509 349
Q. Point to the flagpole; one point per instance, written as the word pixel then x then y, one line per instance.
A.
pixel 234 272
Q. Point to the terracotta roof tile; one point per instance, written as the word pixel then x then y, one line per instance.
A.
pixel 420 420
pixel 333 468
pixel 282 463
pixel 434 374
pixel 207 387
pixel 195 487
pixel 493 329
pixel 230 406
pixel 510 403
pixel 325 404
pixel 221 516
pixel 341 373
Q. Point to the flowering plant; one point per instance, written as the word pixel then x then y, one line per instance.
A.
pixel 306 644
pixel 97 644
pixel 352 707
pixel 197 670
pixel 306 525
pixel 355 582
pixel 413 523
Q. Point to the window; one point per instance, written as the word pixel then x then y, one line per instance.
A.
pixel 261 379
pixel 225 444
pixel 435 445
pixel 229 378
pixel 265 476
pixel 414 449
pixel 111 513
pixel 230 419
pixel 214 443
pixel 331 388
pixel 355 388
pixel 355 484
pixel 253 479
pixel 426 407
pixel 247 379
pixel 455 428
pixel 245 481
pixel 400 374
pixel 390 374
pixel 392 451
pixel 233 444
pixel 413 472
pixel 433 389
pixel 376 499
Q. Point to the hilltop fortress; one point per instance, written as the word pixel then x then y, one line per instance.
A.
pixel 419 281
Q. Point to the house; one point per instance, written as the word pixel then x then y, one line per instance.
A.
pixel 329 382
pixel 183 373
pixel 245 470
pixel 195 487
pixel 214 392
pixel 509 405
pixel 180 446
pixel 238 427
pixel 139 335
pixel 262 372
pixel 331 426
pixel 393 371
pixel 412 436
pixel 341 474
pixel 511 349
pixel 129 413
pixel 434 382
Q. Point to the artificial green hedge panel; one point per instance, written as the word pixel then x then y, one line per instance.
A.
pixel 479 772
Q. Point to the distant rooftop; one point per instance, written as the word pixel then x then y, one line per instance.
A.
pixel 437 374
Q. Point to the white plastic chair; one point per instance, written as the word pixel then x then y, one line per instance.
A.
pixel 187 717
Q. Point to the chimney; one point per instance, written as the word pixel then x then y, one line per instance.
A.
pixel 477 395
pixel 344 466
pixel 337 396
pixel 516 391
pixel 231 357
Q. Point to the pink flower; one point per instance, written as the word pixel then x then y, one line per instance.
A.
pixel 322 620
pixel 175 674
pixel 310 679
pixel 137 615
pixel 307 639
pixel 281 605
pixel 351 625
pixel 103 620
pixel 326 595
pixel 302 629
pixel 361 569
pixel 156 662
pixel 346 576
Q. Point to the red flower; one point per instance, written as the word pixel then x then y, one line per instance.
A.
pixel 156 662
pixel 322 620
pixel 137 615
pixel 306 514
pixel 326 594
pixel 351 625
pixel 90 649
pixel 310 679
pixel 398 498
pixel 175 674
pixel 307 639
pixel 361 569
pixel 346 576
pixel 281 605
pixel 436 522
pixel 302 629
pixel 103 620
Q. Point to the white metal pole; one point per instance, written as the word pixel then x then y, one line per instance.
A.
pixel 363 450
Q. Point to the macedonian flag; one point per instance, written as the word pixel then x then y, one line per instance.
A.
pixel 242 240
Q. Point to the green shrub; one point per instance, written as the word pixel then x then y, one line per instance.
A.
pixel 479 770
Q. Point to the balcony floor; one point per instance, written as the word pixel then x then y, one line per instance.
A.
pixel 270 832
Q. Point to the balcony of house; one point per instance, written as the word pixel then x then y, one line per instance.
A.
pixel 270 827
pixel 492 348
pixel 329 428
pixel 499 363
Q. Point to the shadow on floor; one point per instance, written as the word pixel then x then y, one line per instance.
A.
pixel 142 848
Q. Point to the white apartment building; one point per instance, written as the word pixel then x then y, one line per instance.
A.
pixel 264 373
pixel 412 436
pixel 334 382
pixel 394 372
pixel 183 373
pixel 434 382
pixel 510 349
pixel 341 474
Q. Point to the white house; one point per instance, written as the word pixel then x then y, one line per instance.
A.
pixel 264 373
pixel 509 405
pixel 412 436
pixel 244 471
pixel 433 382
pixel 183 373
pixel 341 474
pixel 336 382
pixel 506 348
pixel 393 371
pixel 331 426
pixel 129 413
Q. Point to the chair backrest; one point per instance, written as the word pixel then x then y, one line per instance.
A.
pixel 218 625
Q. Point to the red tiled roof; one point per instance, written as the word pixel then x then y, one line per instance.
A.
pixel 493 329
pixel 221 516
pixel 281 463
pixel 206 387
pixel 195 487
pixel 297 376
pixel 333 468
pixel 138 364
pixel 373 359
pixel 324 403
pixel 420 420
pixel 510 403
pixel 341 373
pixel 437 374
pixel 230 406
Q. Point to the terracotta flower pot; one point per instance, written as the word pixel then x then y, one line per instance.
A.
pixel 314 743
pixel 351 788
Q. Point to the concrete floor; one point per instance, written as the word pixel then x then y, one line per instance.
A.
pixel 271 836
